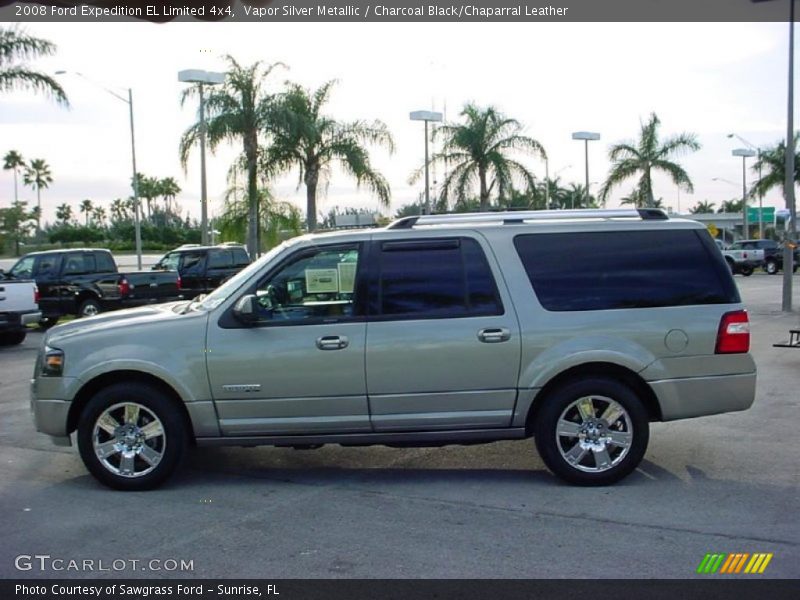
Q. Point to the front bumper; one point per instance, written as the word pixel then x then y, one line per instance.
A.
pixel 50 412
pixel 701 396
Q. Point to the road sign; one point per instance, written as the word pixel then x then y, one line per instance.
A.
pixel 767 214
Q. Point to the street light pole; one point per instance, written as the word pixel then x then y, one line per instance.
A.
pixel 760 192
pixel 586 136
pixel 426 115
pixel 202 78
pixel 745 153
pixel 137 226
pixel 788 186
pixel 135 183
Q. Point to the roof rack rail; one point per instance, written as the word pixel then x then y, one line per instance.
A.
pixel 515 217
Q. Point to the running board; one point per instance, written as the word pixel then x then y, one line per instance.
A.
pixel 410 438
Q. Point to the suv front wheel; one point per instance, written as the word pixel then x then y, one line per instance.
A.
pixel 131 436
pixel 592 431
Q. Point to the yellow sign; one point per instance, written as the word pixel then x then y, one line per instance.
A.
pixel 712 229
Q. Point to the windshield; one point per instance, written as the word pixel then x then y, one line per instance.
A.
pixel 222 293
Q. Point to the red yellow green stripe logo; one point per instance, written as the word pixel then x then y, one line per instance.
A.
pixel 733 563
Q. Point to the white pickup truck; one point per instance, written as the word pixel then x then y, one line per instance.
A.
pixel 742 261
pixel 19 306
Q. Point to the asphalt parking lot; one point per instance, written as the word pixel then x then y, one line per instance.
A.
pixel 728 483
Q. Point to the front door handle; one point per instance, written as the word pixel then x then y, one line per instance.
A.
pixel 494 335
pixel 332 342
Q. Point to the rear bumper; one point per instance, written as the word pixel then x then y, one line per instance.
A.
pixel 700 396
pixel 15 321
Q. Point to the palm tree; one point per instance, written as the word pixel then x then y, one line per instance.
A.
pixel 16 47
pixel 731 206
pixel 277 219
pixel 476 152
pixel 86 208
pixel 575 197
pixel 304 138
pixel 119 210
pixel 638 198
pixel 630 159
pixel 238 110
pixel 13 161
pixel 37 175
pixel 703 207
pixel 168 188
pixel 64 213
pixel 99 215
pixel 772 164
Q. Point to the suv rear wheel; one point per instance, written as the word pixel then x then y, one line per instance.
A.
pixel 593 431
pixel 131 436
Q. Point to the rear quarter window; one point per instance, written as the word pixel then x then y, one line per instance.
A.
pixel 625 269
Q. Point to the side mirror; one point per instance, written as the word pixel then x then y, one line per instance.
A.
pixel 246 309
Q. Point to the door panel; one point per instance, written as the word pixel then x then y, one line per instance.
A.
pixel 275 380
pixel 300 368
pixel 457 366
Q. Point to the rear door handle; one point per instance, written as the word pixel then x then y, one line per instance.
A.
pixel 494 335
pixel 332 342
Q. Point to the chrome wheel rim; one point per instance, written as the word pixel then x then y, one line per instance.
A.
pixel 90 310
pixel 129 439
pixel 594 434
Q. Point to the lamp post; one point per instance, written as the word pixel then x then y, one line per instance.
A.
pixel 136 220
pixel 788 185
pixel 760 193
pixel 745 153
pixel 202 78
pixel 427 116
pixel 586 136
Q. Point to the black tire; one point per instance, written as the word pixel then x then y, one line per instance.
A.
pixel 746 270
pixel 771 267
pixel 552 447
pixel 12 338
pixel 48 322
pixel 89 308
pixel 171 446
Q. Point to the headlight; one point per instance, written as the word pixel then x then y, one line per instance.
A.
pixel 53 362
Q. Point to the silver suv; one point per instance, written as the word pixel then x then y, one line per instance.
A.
pixel 576 328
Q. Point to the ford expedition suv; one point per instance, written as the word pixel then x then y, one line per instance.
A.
pixel 576 328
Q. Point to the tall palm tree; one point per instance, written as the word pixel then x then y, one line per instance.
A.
pixel 168 188
pixel 649 154
pixel 86 208
pixel 703 207
pixel 99 215
pixel 37 175
pixel 734 205
pixel 303 137
pixel 119 210
pixel 17 47
pixel 477 152
pixel 237 111
pixel 772 163
pixel 12 162
pixel 64 213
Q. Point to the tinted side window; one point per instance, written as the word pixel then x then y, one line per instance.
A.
pixel 105 264
pixel 624 269
pixel 240 258
pixel 192 262
pixel 47 265
pixel 435 278
pixel 219 259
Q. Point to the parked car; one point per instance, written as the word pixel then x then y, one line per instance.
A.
pixel 204 268
pixel 741 260
pixel 85 282
pixel 449 329
pixel 18 308
pixel 773 254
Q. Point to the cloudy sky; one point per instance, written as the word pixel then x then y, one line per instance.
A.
pixel 710 79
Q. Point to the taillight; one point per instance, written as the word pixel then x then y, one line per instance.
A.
pixel 36 295
pixel 124 287
pixel 734 333
pixel 180 283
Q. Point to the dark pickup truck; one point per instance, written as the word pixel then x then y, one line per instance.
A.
pixel 773 253
pixel 86 281
pixel 203 268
